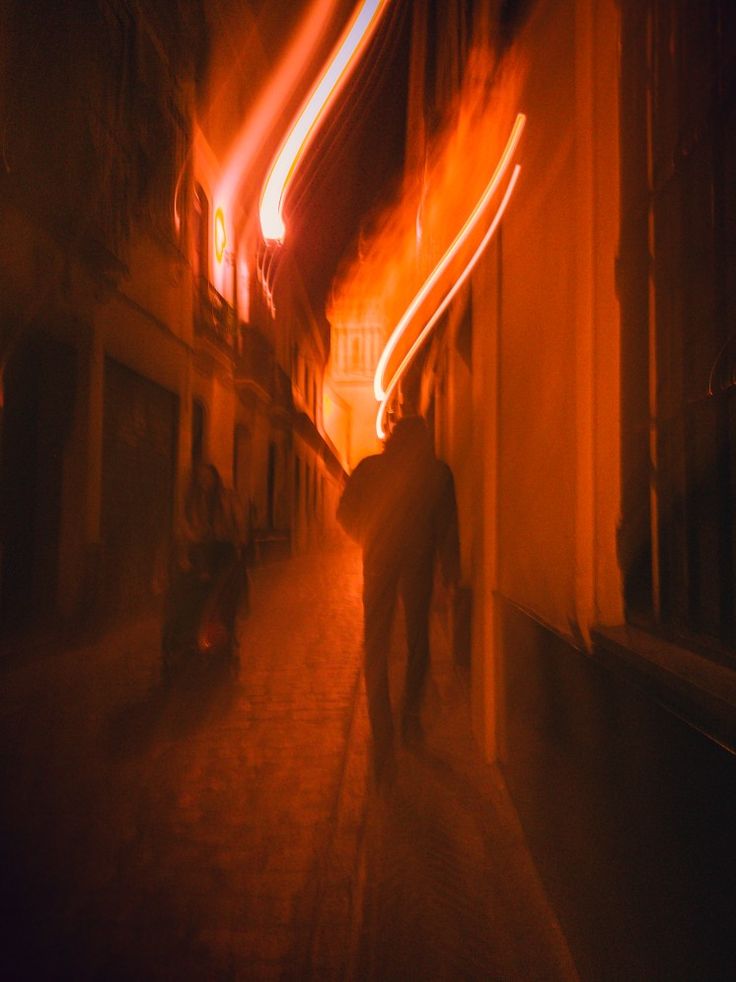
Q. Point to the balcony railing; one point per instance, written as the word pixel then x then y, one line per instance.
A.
pixel 282 395
pixel 214 317
pixel 255 363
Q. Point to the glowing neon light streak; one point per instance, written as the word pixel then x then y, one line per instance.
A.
pixel 401 328
pixel 408 358
pixel 255 131
pixel 303 131
pixel 220 235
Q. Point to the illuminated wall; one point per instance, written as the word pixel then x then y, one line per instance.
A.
pixel 522 380
pixel 558 481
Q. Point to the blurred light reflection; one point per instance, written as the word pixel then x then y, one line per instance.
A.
pixel 383 391
pixel 302 132
pixel 424 333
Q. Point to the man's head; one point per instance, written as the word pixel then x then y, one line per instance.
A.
pixel 410 436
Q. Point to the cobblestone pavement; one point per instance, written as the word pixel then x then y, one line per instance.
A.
pixel 229 832
pixel 448 888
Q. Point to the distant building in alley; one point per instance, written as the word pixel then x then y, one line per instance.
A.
pixel 356 342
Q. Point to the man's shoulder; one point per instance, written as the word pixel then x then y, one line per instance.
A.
pixel 366 465
pixel 356 501
pixel 443 469
pixel 371 460
pixel 443 480
pixel 362 478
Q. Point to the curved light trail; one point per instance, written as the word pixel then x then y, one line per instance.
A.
pixel 379 388
pixel 244 153
pixel 423 334
pixel 349 48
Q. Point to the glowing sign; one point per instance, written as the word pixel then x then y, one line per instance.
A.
pixel 408 358
pixel 177 189
pixel 349 48
pixel 379 388
pixel 220 236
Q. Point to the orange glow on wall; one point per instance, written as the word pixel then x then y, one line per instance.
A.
pixel 177 192
pixel 444 266
pixel 341 63
pixel 385 398
pixel 411 258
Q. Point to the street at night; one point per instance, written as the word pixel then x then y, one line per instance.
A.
pixel 368 490
pixel 231 832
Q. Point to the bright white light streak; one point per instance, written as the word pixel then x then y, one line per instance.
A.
pixel 408 358
pixel 356 36
pixel 400 329
pixel 244 152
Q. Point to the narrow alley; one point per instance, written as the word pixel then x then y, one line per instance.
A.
pixel 235 833
pixel 246 247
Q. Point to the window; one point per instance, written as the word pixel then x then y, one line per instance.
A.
pixel 197 431
pixel 271 484
pixel 355 355
pixel 242 451
pixel 200 264
pixel 677 284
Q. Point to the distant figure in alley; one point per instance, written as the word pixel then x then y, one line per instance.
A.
pixel 400 506
pixel 208 579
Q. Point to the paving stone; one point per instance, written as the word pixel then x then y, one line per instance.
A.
pixel 232 833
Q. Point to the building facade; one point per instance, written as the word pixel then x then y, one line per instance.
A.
pixel 136 338
pixel 355 347
pixel 580 385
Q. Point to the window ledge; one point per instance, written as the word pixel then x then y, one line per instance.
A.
pixel 698 690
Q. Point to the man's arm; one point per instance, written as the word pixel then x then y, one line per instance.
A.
pixel 448 540
pixel 351 508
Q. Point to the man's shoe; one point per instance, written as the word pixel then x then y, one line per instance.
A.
pixel 384 768
pixel 412 731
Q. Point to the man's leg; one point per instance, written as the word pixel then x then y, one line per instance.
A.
pixel 379 600
pixel 416 592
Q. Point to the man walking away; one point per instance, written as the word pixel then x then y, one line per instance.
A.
pixel 400 506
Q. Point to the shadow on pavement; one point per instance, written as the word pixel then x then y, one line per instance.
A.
pixel 170 711
pixel 445 896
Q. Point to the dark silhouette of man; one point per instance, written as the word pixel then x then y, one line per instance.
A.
pixel 400 506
